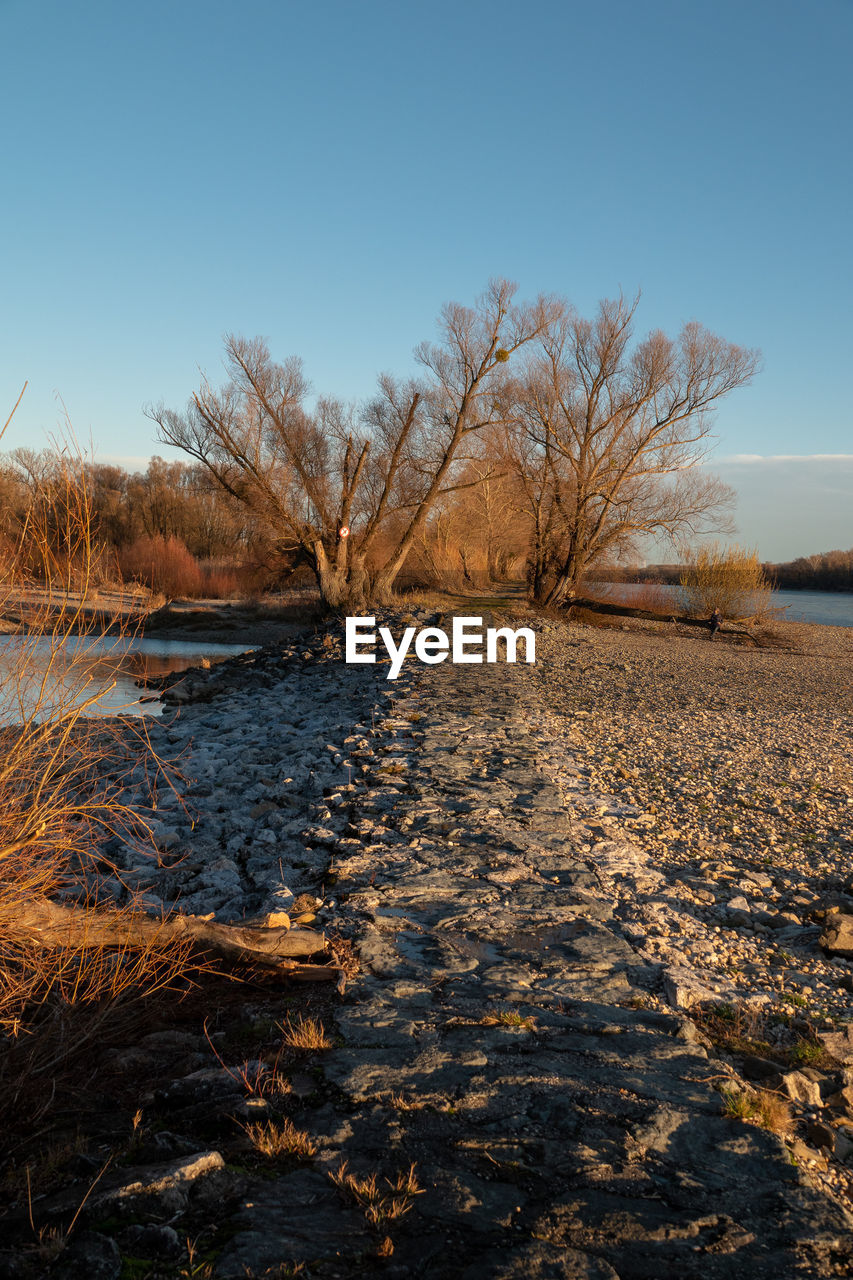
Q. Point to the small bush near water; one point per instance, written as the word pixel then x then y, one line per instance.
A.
pixel 730 579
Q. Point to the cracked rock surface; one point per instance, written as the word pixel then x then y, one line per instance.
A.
pixel 495 1040
pixel 513 1066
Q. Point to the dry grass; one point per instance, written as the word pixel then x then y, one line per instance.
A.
pixel 400 1102
pixel 304 1033
pixel 762 1107
pixel 48 1243
pixel 379 1205
pixel 509 1018
pixel 743 1030
pixel 195 1268
pixel 653 597
pixel 257 1080
pixel 61 776
pixel 276 1140
pixel 432 600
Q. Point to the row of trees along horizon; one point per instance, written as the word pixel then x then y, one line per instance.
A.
pixel 534 442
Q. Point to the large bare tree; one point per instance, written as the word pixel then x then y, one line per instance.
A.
pixel 377 474
pixel 621 429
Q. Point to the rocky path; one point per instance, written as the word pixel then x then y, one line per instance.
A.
pixel 506 1096
pixel 557 1129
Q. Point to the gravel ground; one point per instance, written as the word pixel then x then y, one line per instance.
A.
pixel 714 788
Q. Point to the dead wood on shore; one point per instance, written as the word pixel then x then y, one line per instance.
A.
pixel 45 924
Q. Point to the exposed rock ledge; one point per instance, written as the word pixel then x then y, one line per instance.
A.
pixel 500 1036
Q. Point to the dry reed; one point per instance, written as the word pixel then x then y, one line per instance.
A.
pixel 61 778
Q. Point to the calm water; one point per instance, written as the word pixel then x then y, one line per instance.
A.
pixel 110 669
pixel 832 608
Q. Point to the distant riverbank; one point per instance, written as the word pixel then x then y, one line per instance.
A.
pixel 827 608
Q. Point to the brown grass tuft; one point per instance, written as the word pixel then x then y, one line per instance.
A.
pixel 762 1107
pixel 304 1033
pixel 275 1140
pixel 509 1018
pixel 379 1206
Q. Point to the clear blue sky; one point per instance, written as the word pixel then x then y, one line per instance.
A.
pixel 328 174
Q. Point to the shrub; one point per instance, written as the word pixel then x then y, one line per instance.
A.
pixel 653 597
pixel 222 581
pixel 730 579
pixel 162 564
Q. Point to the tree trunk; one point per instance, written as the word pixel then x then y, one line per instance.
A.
pixel 566 584
pixel 383 585
pixel 343 588
pixel 44 923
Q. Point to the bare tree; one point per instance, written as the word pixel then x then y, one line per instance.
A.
pixel 625 427
pixel 542 485
pixel 314 476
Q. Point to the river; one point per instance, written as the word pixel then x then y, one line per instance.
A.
pixel 830 608
pixel 83 665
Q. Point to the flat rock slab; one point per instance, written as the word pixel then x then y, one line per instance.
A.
pixel 558 1128
pixel 497 1037
pixel 296 1219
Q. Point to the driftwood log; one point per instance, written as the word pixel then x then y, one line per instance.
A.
pixel 286 951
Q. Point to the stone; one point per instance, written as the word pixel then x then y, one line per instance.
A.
pixel 756 1068
pixel 837 936
pixel 541 1260
pixel 738 910
pixel 800 1089
pixel 153 1240
pixel 90 1256
pixel 166 1185
pixel 300 1218
pixel 844 1145
pixel 839 1044
pixel 805 1154
pixel 819 1134
pixel 683 989
pixel 843 1098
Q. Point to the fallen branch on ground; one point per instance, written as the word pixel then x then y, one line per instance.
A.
pixel 44 923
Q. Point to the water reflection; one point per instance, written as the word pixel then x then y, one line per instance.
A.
pixel 101 671
pixel 829 608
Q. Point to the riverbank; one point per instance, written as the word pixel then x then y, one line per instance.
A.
pixel 135 611
pixel 515 1032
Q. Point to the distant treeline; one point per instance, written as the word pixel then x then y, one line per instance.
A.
pixel 177 530
pixel 831 571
